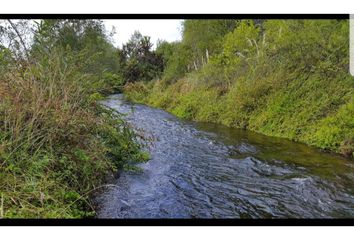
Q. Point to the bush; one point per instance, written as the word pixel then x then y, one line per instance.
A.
pixel 57 145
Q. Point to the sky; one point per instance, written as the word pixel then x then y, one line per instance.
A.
pixel 169 30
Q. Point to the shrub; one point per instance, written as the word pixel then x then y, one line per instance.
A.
pixel 57 145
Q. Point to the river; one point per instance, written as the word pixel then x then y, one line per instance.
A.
pixel 203 170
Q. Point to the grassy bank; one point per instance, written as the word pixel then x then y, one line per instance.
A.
pixel 57 144
pixel 282 78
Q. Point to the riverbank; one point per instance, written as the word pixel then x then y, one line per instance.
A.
pixel 289 79
pixel 57 144
pixel 284 113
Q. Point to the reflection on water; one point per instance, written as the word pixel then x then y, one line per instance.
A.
pixel 271 149
pixel 202 170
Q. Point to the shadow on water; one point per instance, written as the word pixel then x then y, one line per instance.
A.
pixel 203 170
pixel 279 151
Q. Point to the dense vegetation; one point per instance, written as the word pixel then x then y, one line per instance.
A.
pixel 57 144
pixel 284 78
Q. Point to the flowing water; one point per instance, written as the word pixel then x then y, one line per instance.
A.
pixel 201 170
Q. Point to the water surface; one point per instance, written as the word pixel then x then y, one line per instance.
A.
pixel 203 170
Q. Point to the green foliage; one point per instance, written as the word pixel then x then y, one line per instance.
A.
pixel 336 131
pixel 178 64
pixel 201 38
pixel 165 50
pixel 57 144
pixel 139 61
pixel 203 35
pixel 5 58
pixel 113 81
pixel 138 91
pixel 85 42
pixel 284 78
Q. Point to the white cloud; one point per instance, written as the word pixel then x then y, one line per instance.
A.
pixel 169 30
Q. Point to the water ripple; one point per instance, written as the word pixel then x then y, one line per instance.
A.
pixel 211 171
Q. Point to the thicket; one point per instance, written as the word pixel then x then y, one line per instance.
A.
pixel 284 78
pixel 58 145
pixel 138 61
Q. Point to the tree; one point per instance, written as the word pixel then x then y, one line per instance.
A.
pixel 85 43
pixel 204 37
pixel 177 61
pixel 139 61
pixel 15 37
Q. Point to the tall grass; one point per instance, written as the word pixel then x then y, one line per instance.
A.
pixel 57 144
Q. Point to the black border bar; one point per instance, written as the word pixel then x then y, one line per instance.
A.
pixel 173 16
pixel 176 222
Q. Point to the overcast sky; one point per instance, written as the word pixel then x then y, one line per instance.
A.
pixel 169 30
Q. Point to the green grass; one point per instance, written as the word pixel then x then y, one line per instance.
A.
pixel 318 117
pixel 294 85
pixel 58 146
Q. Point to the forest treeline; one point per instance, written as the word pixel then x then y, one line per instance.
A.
pixel 58 145
pixel 283 78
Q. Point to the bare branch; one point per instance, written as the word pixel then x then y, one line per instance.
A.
pixel 21 40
